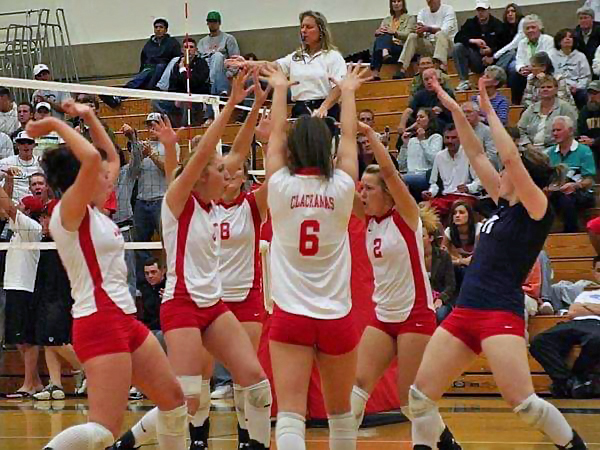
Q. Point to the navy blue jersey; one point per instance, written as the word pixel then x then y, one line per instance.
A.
pixel 509 244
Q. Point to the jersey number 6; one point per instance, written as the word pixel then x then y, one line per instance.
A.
pixel 309 239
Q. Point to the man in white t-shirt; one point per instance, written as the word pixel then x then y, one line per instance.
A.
pixel 552 347
pixel 22 165
pixel 436 28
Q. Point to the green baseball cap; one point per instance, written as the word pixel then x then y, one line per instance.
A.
pixel 214 16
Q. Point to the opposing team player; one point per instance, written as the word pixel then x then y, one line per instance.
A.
pixel 404 318
pixel 116 350
pixel 310 200
pixel 489 313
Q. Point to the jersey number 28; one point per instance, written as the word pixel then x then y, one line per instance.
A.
pixel 309 237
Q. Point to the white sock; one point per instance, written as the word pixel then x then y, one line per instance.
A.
pixel 547 418
pixel 145 430
pixel 204 409
pixel 82 437
pixel 239 400
pixel 342 432
pixel 257 409
pixel 358 402
pixel 171 429
pixel 427 424
pixel 290 431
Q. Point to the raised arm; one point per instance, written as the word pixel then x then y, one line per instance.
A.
pixel 168 137
pixel 263 133
pixel 532 197
pixel 6 203
pixel 79 195
pixel 471 144
pixel 405 203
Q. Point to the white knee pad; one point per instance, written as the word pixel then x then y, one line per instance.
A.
pixel 89 436
pixel 419 404
pixel 203 411
pixel 290 423
pixel 239 398
pixel 533 411
pixel 342 427
pixel 358 402
pixel 406 411
pixel 259 395
pixel 191 385
pixel 173 422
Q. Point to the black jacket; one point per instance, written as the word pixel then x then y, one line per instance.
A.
pixel 159 52
pixel 442 276
pixel 151 300
pixel 199 77
pixel 594 41
pixel 493 34
pixel 588 124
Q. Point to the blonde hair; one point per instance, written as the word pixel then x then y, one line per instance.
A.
pixel 429 217
pixel 374 169
pixel 324 33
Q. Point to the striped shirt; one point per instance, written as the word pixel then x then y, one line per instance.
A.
pixel 500 105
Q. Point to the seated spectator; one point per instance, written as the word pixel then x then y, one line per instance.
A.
pixel 434 35
pixel 533 43
pixel 476 42
pixel 574 194
pixel 532 289
pixel 425 98
pixel 552 347
pixel 460 237
pixel 500 103
pixel 513 33
pixel 587 33
pixel 391 36
pixel 366 156
pixel 156 54
pixel 571 65
pixel 482 131
pixel 367 116
pixel 438 264
pixel 80 125
pixel 417 84
pixel 49 141
pixel 8 112
pixel 22 165
pixel 175 79
pixel 24 115
pixel 588 122
pixel 535 124
pixel 152 290
pixel 541 65
pixel 54 99
pixel 451 167
pixel 216 48
pixel 421 142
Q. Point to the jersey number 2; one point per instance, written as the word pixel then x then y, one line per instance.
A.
pixel 309 238
pixel 225 233
pixel 377 248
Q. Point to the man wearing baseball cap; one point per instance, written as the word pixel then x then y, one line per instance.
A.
pixel 476 42
pixel 588 121
pixel 22 165
pixel 216 48
pixel 41 72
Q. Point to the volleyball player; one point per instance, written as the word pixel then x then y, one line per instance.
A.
pixel 310 201
pixel 116 350
pixel 404 317
pixel 489 313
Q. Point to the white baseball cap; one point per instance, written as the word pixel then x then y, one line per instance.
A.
pixel 43 105
pixel 23 136
pixel 153 117
pixel 39 68
pixel 484 4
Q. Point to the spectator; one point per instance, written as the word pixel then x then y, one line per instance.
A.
pixel 421 142
pixel 482 131
pixel 391 36
pixel 535 124
pixel 6 146
pixel 417 84
pixel 438 264
pixel 497 78
pixel 366 156
pixel 594 5
pixel 216 48
pixel 552 347
pixel 49 141
pixel 513 34
pixel 175 79
pixel 587 33
pixel 54 99
pixel 156 54
pixel 532 289
pixel 8 112
pixel 434 35
pixel 425 98
pixel 541 65
pixel 152 290
pixel 533 43
pixel 22 165
pixel 79 123
pixel 588 122
pixel 368 116
pixel 571 65
pixel 476 42
pixel 461 237
pixel 38 196
pixel 451 167
pixel 24 115
pixel 575 192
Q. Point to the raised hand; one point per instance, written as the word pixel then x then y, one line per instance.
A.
pixel 444 98
pixel 41 127
pixel 235 62
pixel 363 128
pixel 484 99
pixel 275 77
pixel 164 132
pixel 75 109
pixel 260 95
pixel 264 128
pixel 238 87
pixel 357 75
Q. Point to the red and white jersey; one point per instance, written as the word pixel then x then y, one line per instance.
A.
pixel 192 249
pixel 310 250
pixel 94 258
pixel 239 260
pixel 398 259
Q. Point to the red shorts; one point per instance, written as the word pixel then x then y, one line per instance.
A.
pixel 107 332
pixel 421 322
pixel 472 326
pixel 184 313
pixel 250 310
pixel 332 337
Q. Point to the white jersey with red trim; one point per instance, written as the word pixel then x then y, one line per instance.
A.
pixel 310 251
pixel 239 260
pixel 398 258
pixel 192 248
pixel 94 258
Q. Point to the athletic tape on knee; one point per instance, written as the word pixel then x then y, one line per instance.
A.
pixel 342 427
pixel 406 411
pixel 546 417
pixel 239 399
pixel 257 410
pixel 358 403
pixel 191 385
pixel 259 394
pixel 173 422
pixel 89 436
pixel 290 424
pixel 203 411
pixel 419 404
pixel 427 424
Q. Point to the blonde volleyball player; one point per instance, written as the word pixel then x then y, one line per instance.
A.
pixel 310 200
pixel 116 350
pixel 404 317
